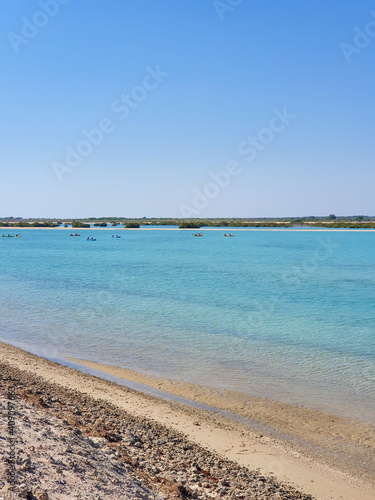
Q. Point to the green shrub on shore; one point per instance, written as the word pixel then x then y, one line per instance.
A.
pixel 189 225
pixel 22 224
pixel 132 225
pixel 44 224
pixel 30 224
pixel 78 224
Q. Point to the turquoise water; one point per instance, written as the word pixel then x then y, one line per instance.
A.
pixel 283 314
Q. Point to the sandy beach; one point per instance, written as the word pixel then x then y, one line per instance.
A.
pixel 127 444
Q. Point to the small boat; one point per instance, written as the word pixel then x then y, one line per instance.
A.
pixel 7 236
pixel 198 234
pixel 229 235
pixel 74 234
pixel 18 236
pixel 90 239
pixel 116 236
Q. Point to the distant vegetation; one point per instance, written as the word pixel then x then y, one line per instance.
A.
pixel 29 224
pixel 350 225
pixel 330 221
pixel 78 224
pixel 189 224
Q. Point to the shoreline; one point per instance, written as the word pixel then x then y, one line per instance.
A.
pixel 322 229
pixel 268 410
pixel 228 397
pixel 324 455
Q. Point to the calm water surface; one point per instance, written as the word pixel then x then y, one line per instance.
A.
pixel 283 314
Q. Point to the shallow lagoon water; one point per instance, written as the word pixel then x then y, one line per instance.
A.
pixel 282 314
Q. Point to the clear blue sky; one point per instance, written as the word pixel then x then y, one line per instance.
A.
pixel 228 70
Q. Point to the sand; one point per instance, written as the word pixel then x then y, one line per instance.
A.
pixel 322 455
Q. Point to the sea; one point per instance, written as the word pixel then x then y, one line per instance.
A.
pixel 282 314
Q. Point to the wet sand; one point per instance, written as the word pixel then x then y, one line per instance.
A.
pixel 322 455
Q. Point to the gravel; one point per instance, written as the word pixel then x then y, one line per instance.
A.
pixel 71 446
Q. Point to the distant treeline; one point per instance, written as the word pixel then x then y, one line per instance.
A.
pixel 354 222
pixel 348 225
pixel 29 224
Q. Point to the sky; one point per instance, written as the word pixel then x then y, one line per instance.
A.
pixel 194 108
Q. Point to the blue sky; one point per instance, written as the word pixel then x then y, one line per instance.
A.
pixel 223 68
